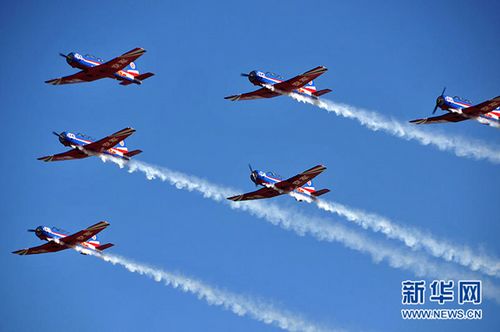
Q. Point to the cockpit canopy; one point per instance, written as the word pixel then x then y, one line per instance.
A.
pixel 462 99
pixel 274 75
pixel 274 175
pixel 93 57
pixel 87 137
pixel 59 230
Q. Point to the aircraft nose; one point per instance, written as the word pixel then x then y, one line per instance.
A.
pixel 253 177
pixel 252 76
pixel 62 136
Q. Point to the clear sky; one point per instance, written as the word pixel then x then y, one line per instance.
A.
pixel 393 57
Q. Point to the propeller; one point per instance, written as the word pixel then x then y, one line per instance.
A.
pixel 439 101
pixel 244 75
pixel 32 230
pixel 61 136
pixel 253 175
pixel 63 55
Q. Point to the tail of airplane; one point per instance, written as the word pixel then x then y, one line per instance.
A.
pixel 321 92
pixel 309 186
pixel 132 69
pixel 122 146
pixel 320 192
pixel 138 79
pixel 105 246
pixel 142 77
pixel 311 86
pixel 132 153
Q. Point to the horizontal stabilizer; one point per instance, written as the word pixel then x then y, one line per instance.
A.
pixel 142 77
pixel 105 246
pixel 132 153
pixel 320 192
pixel 321 92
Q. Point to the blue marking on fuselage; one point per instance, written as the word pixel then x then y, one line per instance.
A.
pixel 458 103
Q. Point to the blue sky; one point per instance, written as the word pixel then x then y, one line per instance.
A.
pixel 392 57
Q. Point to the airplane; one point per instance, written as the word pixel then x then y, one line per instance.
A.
pixel 275 185
pixel 274 85
pixel 487 112
pixel 84 241
pixel 84 146
pixel 121 68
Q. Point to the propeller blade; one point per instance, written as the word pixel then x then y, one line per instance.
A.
pixel 56 133
pixel 63 55
pixel 250 166
pixel 244 75
pixel 437 101
pixel 31 230
pixel 435 109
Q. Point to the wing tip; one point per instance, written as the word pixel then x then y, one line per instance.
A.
pixel 54 81
pixel 125 131
pixel 319 168
pixel 45 159
pixel 99 226
pixel 418 121
pixel 316 71
pixel 20 252
pixel 233 97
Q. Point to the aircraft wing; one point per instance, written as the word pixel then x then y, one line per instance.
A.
pixel 68 155
pixel 85 234
pixel 80 77
pixel 448 117
pixel 257 94
pixel 300 179
pixel 301 80
pixel 266 192
pixel 109 141
pixel 118 63
pixel 483 108
pixel 44 248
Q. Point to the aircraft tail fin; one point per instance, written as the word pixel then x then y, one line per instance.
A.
pixel 321 92
pixel 309 185
pixel 122 146
pixel 311 86
pixel 105 246
pixel 320 192
pixel 132 153
pixel 132 69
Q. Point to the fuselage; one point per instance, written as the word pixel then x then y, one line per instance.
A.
pixel 260 78
pixel 269 179
pixel 456 104
pixel 55 234
pixel 84 62
pixel 76 140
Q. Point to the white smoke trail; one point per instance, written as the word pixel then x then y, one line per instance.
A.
pixel 461 146
pixel 416 239
pixel 238 304
pixel 320 229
